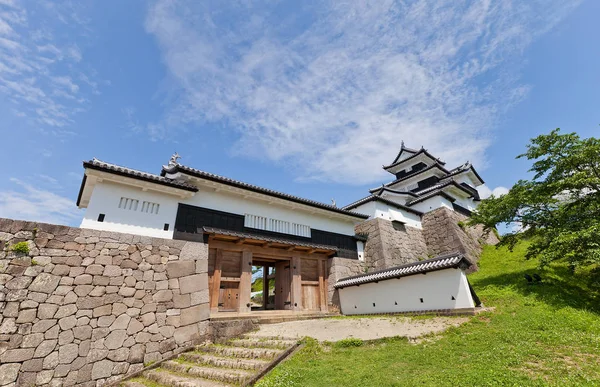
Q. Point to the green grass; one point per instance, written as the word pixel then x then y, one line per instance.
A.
pixel 538 335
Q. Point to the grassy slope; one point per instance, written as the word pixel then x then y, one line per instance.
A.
pixel 543 334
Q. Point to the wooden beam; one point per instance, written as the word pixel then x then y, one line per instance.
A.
pixel 266 252
pixel 296 290
pixel 291 248
pixel 240 241
pixel 265 286
pixel 216 282
pixel 322 269
pixel 245 288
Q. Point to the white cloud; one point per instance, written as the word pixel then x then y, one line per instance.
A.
pixel 333 91
pixel 39 63
pixel 27 202
pixel 485 191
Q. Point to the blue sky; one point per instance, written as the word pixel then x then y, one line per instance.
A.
pixel 309 98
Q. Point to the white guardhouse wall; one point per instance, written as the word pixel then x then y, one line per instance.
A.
pixel 105 200
pixel 404 295
pixel 387 212
pixel 432 204
pixel 235 203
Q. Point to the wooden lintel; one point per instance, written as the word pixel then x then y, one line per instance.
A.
pixel 311 251
pixel 291 248
pixel 266 252
pixel 240 241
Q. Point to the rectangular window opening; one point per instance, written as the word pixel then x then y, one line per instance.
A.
pixel 101 217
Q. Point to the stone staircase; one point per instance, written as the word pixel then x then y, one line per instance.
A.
pixel 238 362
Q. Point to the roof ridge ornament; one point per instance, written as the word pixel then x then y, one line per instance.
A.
pixel 173 160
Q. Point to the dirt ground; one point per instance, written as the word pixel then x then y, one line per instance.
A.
pixel 368 328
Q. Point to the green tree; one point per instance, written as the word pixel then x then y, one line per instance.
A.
pixel 559 208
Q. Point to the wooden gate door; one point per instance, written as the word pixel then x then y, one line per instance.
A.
pixel 283 279
pixel 229 297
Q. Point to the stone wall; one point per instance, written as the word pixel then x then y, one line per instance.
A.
pixel 341 268
pixel 390 244
pixel 444 234
pixel 86 307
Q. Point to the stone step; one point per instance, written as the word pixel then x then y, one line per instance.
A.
pixel 262 343
pixel 170 379
pixel 240 352
pixel 254 336
pixel 135 383
pixel 226 362
pixel 227 375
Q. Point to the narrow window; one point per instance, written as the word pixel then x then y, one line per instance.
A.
pixel 166 227
pixel 101 218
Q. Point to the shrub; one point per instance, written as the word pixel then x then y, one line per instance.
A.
pixel 20 247
pixel 349 342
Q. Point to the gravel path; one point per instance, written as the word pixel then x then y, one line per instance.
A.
pixel 362 328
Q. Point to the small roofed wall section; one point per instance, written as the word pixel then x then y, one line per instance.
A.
pixel 442 290
pixel 87 307
pixel 446 231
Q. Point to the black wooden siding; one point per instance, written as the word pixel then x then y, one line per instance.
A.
pixel 415 168
pixel 191 219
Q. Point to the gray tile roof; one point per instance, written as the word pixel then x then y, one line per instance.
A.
pixel 447 261
pixel 266 238
pixel 255 188
pixel 382 200
pixel 140 175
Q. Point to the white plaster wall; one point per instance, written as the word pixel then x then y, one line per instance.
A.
pixel 360 247
pixel 432 203
pixel 237 204
pixel 404 294
pixel 464 178
pixel 387 212
pixel 467 203
pixel 105 200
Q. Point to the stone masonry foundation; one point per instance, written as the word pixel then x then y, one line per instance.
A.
pixel 86 307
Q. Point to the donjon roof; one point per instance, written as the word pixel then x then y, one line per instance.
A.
pixel 446 261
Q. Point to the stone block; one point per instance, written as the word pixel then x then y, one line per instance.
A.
pixel 134 327
pixel 44 283
pixel 50 361
pixel 33 365
pixel 186 334
pixel 9 373
pixel 195 314
pixel 65 311
pixel 67 323
pixel 104 310
pixel 178 269
pixel 102 369
pixel 83 332
pixel 83 279
pixel 181 301
pixel 26 316
pixel 65 337
pixel 163 296
pixel 121 322
pixel 17 355
pixel 32 340
pixel 19 283
pixel 115 339
pixel 193 283
pixel 67 353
